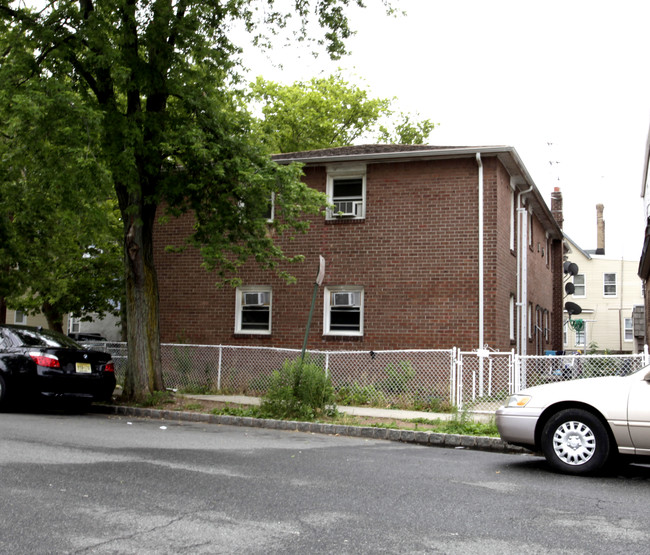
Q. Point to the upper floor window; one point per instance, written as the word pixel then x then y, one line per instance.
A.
pixel 346 190
pixel 513 212
pixel 253 310
pixel 270 211
pixel 580 285
pixel 20 318
pixel 343 314
pixel 609 285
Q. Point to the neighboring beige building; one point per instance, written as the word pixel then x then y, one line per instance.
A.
pixel 607 290
pixel 108 327
pixel 20 318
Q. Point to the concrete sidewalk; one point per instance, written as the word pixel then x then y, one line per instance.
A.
pixel 372 412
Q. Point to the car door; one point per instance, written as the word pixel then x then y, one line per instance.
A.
pixel 638 413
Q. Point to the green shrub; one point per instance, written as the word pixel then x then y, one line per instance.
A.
pixel 398 377
pixel 299 390
pixel 359 395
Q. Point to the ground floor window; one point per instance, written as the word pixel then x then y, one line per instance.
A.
pixel 581 336
pixel 253 310
pixel 629 329
pixel 343 311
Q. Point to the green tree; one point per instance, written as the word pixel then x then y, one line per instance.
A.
pixel 162 74
pixel 60 225
pixel 329 112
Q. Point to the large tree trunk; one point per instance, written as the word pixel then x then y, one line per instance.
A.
pixel 54 318
pixel 144 370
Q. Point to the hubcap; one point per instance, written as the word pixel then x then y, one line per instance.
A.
pixel 574 443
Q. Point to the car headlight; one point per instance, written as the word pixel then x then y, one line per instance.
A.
pixel 518 400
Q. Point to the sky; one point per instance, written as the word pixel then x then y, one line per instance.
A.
pixel 566 83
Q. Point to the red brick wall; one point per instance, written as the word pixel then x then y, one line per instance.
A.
pixel 415 254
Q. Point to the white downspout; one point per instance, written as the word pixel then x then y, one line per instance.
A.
pixel 522 272
pixel 481 277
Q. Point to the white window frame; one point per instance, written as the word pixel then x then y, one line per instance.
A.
pixel 74 324
pixel 530 321
pixel 239 307
pixel 610 283
pixel 272 203
pixel 20 318
pixel 547 326
pixel 512 216
pixel 328 307
pixel 580 337
pixel 628 329
pixel 335 173
pixel 583 285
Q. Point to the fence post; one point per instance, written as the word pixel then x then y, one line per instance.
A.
pixel 646 358
pixel 327 364
pixel 516 372
pixel 452 377
pixel 219 369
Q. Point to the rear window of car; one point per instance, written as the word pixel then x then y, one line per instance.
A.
pixel 44 338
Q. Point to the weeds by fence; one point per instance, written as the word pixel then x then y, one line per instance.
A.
pixel 435 380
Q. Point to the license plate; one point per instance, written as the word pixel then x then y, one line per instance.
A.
pixel 84 368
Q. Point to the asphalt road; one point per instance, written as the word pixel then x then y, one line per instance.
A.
pixel 98 484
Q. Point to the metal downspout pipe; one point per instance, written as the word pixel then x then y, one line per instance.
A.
pixel 522 271
pixel 481 275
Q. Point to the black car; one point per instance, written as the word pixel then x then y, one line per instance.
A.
pixel 40 363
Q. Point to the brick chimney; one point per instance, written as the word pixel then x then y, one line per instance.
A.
pixel 600 223
pixel 556 206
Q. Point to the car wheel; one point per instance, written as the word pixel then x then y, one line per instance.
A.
pixel 3 395
pixel 574 441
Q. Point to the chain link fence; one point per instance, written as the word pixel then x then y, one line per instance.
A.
pixel 434 380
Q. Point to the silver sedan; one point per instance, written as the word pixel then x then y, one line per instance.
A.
pixel 581 425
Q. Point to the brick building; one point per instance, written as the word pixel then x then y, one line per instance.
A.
pixel 406 266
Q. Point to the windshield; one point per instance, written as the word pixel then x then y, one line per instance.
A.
pixel 43 338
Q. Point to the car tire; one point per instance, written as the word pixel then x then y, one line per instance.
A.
pixel 3 395
pixel 575 441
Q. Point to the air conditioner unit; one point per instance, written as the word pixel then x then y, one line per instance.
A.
pixel 347 208
pixel 343 299
pixel 254 299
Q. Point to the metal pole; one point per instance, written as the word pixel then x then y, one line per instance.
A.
pixel 319 282
pixel 311 313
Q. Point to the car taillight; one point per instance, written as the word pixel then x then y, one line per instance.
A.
pixel 110 366
pixel 43 359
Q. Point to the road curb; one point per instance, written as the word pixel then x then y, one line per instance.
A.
pixel 431 439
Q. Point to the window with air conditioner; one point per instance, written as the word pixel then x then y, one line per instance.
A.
pixel 343 312
pixel 347 193
pixel 253 310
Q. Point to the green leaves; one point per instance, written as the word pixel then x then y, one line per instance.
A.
pixel 327 113
pixel 60 226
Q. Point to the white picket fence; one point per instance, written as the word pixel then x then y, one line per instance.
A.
pixel 426 379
